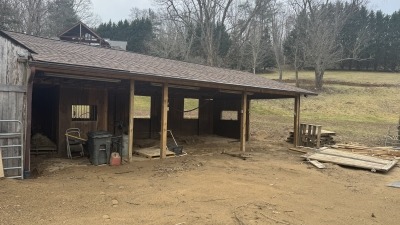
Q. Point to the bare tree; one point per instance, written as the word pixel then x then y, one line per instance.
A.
pixel 256 46
pixel 170 42
pixel 295 43
pixel 278 30
pixel 208 20
pixel 9 18
pixel 205 14
pixel 33 13
pixel 325 22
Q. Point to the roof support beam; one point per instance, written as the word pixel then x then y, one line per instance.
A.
pixel 31 72
pixel 164 121
pixel 117 74
pixel 243 122
pixel 131 119
pixel 296 135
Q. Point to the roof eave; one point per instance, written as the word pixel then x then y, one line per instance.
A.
pixel 16 42
pixel 124 74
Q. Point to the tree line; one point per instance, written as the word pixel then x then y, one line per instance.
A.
pixel 260 35
pixel 45 17
pixel 251 35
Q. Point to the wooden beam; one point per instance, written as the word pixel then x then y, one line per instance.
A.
pixel 243 123
pixel 12 88
pixel 164 122
pixel 296 121
pixel 131 110
pixel 318 139
pixel 116 74
pixel 31 73
pixel 248 120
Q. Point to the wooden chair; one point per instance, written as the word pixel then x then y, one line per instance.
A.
pixel 392 138
pixel 73 138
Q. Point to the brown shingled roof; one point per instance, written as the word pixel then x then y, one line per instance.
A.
pixel 61 52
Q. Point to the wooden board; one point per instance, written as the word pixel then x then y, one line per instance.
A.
pixel 351 159
pixel 317 164
pixel 152 152
pixel 1 165
pixel 43 150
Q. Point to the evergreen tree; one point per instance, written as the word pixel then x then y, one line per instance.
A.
pixel 140 33
pixel 61 16
pixel 393 53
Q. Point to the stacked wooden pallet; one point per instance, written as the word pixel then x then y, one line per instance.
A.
pixel 326 138
pixel 381 152
pixel 41 144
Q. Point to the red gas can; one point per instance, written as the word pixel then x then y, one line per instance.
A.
pixel 115 159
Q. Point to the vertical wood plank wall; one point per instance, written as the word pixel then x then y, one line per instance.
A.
pixel 87 96
pixel 227 128
pixel 13 86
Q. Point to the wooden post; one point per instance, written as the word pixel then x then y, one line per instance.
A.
pixel 248 120
pixel 164 122
pixel 243 124
pixel 27 151
pixel 302 135
pixel 319 129
pixel 131 119
pixel 296 121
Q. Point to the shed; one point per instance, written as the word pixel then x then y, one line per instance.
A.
pixel 43 82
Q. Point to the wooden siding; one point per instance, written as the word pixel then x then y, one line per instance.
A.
pixel 13 85
pixel 84 96
pixel 226 128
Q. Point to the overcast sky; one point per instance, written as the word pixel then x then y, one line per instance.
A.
pixel 119 9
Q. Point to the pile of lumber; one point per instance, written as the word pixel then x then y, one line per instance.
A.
pixel 372 158
pixel 350 159
pixel 381 152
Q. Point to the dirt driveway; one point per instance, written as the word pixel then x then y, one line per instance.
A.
pixel 274 186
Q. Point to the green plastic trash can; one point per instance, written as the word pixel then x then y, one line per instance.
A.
pixel 99 143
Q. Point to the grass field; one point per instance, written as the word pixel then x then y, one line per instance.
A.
pixel 347 76
pixel 357 111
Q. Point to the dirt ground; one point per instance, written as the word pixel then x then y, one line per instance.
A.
pixel 274 186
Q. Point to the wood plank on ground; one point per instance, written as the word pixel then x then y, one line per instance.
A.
pixel 317 164
pixel 303 149
pixel 354 156
pixel 1 165
pixel 153 152
pixel 351 159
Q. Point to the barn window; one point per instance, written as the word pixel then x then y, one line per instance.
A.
pixel 84 112
pixel 190 108
pixel 142 107
pixel 229 115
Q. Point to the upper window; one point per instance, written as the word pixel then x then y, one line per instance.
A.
pixel 190 108
pixel 84 113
